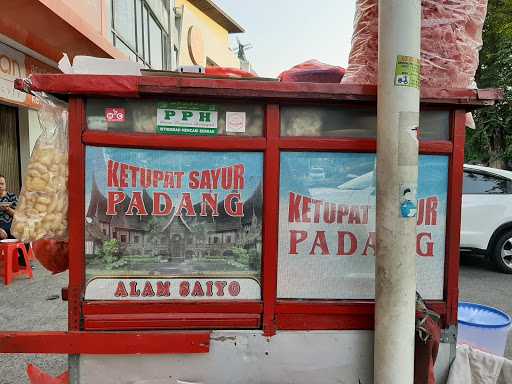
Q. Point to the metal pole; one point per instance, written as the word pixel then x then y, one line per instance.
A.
pixel 397 173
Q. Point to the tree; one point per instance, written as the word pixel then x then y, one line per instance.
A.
pixel 109 253
pixel 491 142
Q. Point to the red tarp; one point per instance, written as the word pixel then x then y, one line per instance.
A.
pixel 451 35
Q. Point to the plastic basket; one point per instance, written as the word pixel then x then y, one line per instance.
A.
pixel 483 327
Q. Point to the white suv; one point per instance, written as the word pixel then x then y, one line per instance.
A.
pixel 487 214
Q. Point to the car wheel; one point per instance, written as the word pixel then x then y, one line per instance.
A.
pixel 502 253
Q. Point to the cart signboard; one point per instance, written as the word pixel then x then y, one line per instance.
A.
pixel 327 226
pixel 173 224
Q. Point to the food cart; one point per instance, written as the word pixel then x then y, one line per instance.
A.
pixel 223 231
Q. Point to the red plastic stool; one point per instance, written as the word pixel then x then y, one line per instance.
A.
pixel 11 267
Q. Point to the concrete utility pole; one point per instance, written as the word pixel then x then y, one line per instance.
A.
pixel 397 173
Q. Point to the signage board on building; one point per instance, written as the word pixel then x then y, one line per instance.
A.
pixel 13 65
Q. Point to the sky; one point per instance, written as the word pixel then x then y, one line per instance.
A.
pixel 284 33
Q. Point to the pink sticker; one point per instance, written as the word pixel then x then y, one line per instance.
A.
pixel 115 115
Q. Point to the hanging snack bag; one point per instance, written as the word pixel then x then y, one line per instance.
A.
pixel 42 212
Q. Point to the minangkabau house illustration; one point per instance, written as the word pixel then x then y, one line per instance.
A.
pixel 174 238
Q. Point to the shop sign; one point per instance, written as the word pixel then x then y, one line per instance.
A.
pixel 187 119
pixel 151 288
pixel 327 226
pixel 15 65
pixel 12 67
pixel 171 214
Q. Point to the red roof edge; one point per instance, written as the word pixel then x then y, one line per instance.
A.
pixel 135 86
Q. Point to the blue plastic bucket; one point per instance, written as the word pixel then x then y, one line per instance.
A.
pixel 483 327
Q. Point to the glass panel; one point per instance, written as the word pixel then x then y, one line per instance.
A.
pixel 434 125
pixel 173 216
pixel 146 34
pixel 477 183
pixel 327 225
pixel 155 39
pixel 140 38
pixel 124 20
pixel 125 49
pixel 130 115
pixel 357 123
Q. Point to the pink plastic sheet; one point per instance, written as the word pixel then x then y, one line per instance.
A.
pixel 451 36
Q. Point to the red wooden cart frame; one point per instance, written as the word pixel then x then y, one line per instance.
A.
pixel 126 319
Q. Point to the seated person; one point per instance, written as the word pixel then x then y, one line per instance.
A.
pixel 8 202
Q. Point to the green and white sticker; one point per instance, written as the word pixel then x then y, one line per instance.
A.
pixel 191 119
pixel 407 72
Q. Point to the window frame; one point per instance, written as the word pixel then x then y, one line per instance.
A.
pixel 269 313
pixel 140 52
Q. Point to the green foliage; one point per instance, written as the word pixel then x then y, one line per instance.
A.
pixel 491 142
pixel 109 253
pixel 241 255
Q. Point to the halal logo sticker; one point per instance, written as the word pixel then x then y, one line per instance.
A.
pixel 235 121
pixel 115 115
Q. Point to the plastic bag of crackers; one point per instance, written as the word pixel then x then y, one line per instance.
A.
pixel 42 212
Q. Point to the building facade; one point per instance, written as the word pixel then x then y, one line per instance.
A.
pixel 204 31
pixel 159 34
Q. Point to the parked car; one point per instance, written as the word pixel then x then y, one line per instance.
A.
pixel 487 214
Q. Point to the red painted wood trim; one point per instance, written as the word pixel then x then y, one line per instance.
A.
pixel 355 145
pixel 76 214
pixel 317 307
pixel 132 86
pixel 97 85
pixel 273 89
pixel 338 315
pixel 116 307
pixel 161 84
pixel 433 147
pixel 126 322
pixel 342 307
pixel 141 140
pixel 327 144
pixel 315 322
pixel 271 217
pixel 105 343
pixel 455 177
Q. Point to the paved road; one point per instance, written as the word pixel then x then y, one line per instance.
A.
pixel 479 283
pixel 31 305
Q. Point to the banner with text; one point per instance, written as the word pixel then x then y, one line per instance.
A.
pixel 327 226
pixel 173 213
